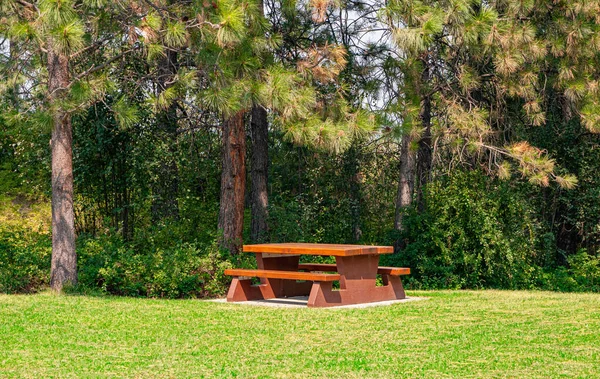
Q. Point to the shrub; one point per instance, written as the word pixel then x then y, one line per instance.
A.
pixel 161 261
pixel 584 268
pixel 475 232
pixel 174 270
pixel 25 244
pixel 24 260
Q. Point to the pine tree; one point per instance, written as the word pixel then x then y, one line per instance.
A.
pixel 245 76
pixel 72 45
pixel 463 63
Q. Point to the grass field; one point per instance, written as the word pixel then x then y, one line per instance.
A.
pixel 485 334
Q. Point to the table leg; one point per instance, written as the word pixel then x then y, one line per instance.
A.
pixel 280 287
pixel 244 290
pixel 357 284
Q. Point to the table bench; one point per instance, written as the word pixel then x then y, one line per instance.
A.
pixel 282 275
pixel 279 274
pixel 381 270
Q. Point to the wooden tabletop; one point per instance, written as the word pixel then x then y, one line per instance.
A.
pixel 317 249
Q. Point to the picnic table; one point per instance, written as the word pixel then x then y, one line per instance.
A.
pixel 282 275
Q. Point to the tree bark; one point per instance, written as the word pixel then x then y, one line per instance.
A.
pixel 353 186
pixel 406 183
pixel 166 186
pixel 259 199
pixel 13 93
pixel 259 175
pixel 233 183
pixel 424 156
pixel 64 258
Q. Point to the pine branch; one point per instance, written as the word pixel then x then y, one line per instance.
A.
pixel 90 47
pixel 27 4
pixel 160 10
pixel 94 69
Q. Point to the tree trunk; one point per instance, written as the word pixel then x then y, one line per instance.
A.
pixel 424 156
pixel 64 258
pixel 406 183
pixel 166 186
pixel 233 183
pixel 259 126
pixel 259 175
pixel 13 91
pixel 353 186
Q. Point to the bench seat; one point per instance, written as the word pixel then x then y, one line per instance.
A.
pixel 394 271
pixel 277 274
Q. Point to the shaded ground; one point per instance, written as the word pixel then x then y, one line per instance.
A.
pixel 302 301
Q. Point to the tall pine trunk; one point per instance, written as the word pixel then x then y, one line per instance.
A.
pixel 166 186
pixel 424 156
pixel 64 258
pixel 259 175
pixel 352 170
pixel 259 199
pixel 233 183
pixel 13 91
pixel 406 184
pixel 415 164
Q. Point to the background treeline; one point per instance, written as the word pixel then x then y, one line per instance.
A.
pixel 462 132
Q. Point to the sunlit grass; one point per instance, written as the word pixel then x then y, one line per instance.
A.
pixel 491 334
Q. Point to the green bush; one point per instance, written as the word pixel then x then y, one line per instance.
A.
pixel 160 261
pixel 581 275
pixel 24 260
pixel 153 267
pixel 585 271
pixel 475 232
pixel 107 263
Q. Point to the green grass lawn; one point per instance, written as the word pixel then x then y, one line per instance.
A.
pixel 485 334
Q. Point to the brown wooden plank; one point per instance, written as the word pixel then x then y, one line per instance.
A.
pixel 269 255
pixel 393 270
pixel 318 267
pixel 277 274
pixel 317 249
pixel 333 268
